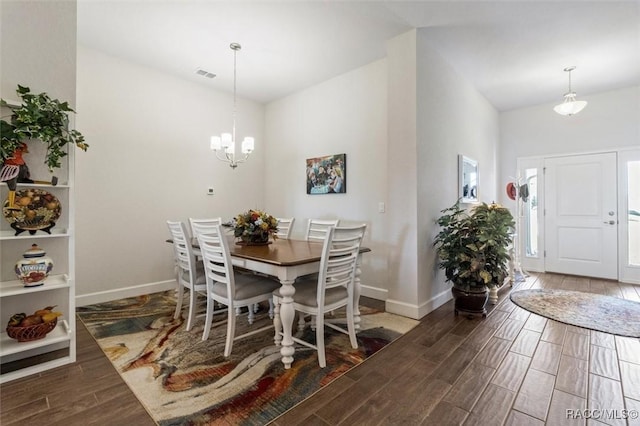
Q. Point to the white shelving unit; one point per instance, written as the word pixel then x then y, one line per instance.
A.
pixel 20 359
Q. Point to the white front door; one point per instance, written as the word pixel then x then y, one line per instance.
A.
pixel 581 218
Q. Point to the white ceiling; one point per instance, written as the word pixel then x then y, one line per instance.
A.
pixel 512 51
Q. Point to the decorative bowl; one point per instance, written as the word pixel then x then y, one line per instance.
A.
pixel 37 209
pixel 31 332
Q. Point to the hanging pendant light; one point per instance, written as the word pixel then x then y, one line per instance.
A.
pixel 570 106
pixel 227 141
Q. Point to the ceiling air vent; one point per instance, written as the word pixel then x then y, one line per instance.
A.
pixel 205 73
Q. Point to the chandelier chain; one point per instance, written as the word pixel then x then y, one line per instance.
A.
pixel 235 53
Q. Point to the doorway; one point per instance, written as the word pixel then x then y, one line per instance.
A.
pixel 582 215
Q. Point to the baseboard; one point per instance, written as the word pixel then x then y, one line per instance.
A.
pixel 120 293
pixel 417 311
pixel 374 292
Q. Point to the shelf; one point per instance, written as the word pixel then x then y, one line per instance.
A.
pixel 35 368
pixel 55 233
pixel 15 287
pixel 12 103
pixel 20 359
pixel 42 185
pixel 10 346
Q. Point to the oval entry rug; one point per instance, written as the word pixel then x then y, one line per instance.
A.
pixel 593 311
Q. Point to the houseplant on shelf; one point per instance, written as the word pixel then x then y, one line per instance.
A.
pixel 42 118
pixel 254 227
pixel 473 251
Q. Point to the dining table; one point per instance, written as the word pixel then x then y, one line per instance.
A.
pixel 288 259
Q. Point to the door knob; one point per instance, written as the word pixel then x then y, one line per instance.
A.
pixel 611 222
pixel 611 213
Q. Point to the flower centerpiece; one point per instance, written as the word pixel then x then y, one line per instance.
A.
pixel 254 227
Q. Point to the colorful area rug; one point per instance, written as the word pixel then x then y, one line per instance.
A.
pixel 182 380
pixel 593 311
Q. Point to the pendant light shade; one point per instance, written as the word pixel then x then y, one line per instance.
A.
pixel 570 106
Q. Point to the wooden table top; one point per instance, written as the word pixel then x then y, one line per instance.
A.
pixel 282 252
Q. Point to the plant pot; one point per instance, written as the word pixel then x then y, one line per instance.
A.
pixel 471 301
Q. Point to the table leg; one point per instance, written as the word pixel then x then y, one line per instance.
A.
pixel 287 315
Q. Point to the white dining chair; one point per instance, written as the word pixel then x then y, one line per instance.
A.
pixel 317 228
pixel 204 224
pixel 228 288
pixel 332 290
pixel 285 226
pixel 189 273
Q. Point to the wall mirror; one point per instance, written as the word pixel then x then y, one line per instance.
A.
pixel 468 179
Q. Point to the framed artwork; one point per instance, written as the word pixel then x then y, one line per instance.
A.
pixel 327 175
pixel 467 179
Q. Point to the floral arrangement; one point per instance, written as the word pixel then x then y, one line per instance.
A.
pixel 255 226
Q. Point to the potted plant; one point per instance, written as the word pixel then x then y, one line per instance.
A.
pixel 472 249
pixel 39 117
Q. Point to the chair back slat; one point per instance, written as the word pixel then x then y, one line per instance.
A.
pixel 203 225
pixel 216 258
pixel 285 226
pixel 317 229
pixel 339 259
pixel 183 252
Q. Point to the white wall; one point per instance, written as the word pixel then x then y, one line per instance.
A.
pixel 402 163
pixel 149 162
pixel 610 120
pixel 346 114
pixel 401 123
pixel 38 45
pixel 453 118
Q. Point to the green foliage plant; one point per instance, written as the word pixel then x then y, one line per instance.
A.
pixel 473 246
pixel 42 118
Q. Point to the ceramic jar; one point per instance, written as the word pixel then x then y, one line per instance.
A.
pixel 34 268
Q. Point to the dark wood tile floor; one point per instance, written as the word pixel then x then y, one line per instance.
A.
pixel 512 368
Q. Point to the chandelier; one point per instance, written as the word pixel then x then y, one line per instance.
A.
pixel 570 106
pixel 226 142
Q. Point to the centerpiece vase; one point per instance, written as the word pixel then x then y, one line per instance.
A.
pixel 254 240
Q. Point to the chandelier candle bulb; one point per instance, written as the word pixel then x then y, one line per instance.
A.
pixel 231 149
pixel 247 145
pixel 216 143
pixel 226 140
